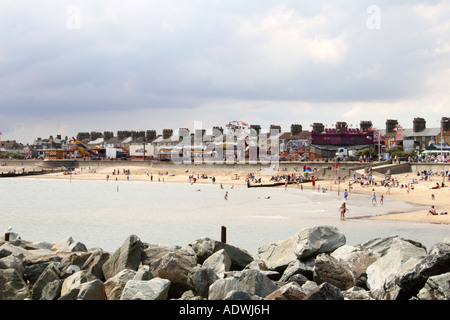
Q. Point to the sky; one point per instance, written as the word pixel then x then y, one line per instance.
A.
pixel 81 66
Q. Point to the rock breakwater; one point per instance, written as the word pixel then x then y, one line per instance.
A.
pixel 314 264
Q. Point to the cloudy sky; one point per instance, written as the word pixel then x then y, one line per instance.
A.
pixel 72 66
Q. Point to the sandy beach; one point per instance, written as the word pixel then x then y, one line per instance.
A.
pixel 421 193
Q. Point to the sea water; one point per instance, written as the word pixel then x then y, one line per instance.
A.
pixel 101 214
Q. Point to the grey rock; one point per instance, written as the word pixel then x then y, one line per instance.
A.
pixel 201 279
pixel 240 258
pixel 52 290
pixel 51 273
pixel 12 262
pixel 13 287
pixel 289 291
pixel 68 244
pixel 143 273
pixel 75 280
pixel 382 245
pixel 92 290
pixel 128 256
pixel 436 288
pixel 94 264
pixel 219 261
pixel 306 243
pixel 241 295
pixel 334 271
pixel 114 286
pixel 33 272
pixel 72 262
pixel 357 293
pixel 383 273
pixel 309 286
pixel 173 264
pixel 154 289
pixel 325 291
pixel 436 262
pixel 8 249
pixel 298 267
pixel 358 260
pixel 203 248
pixel 252 281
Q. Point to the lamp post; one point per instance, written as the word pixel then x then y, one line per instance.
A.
pixel 144 140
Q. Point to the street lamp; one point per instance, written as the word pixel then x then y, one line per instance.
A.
pixel 144 139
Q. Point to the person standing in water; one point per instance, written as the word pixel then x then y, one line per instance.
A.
pixel 226 195
pixel 374 197
pixel 343 209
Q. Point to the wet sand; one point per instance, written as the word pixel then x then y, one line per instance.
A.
pixel 421 194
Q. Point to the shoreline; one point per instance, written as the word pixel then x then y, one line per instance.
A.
pixel 421 195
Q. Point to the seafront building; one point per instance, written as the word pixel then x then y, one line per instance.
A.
pixel 320 141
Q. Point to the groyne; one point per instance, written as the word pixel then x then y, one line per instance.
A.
pixel 313 264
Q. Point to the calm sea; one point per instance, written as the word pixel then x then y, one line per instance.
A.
pixel 102 214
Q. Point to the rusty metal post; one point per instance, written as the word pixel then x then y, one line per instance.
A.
pixel 224 235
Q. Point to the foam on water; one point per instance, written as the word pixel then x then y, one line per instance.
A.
pixel 103 213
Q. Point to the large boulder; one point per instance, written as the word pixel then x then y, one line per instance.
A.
pixel 201 279
pixel 8 249
pixel 398 259
pixel 128 256
pixel 357 260
pixel 75 280
pixel 308 242
pixel 335 272
pixel 94 264
pixel 290 291
pixel 13 287
pixel 219 261
pixel 436 262
pixel 205 247
pixel 73 262
pixel 154 289
pixel 68 244
pixel 12 262
pixel 325 291
pixel 114 286
pixel 436 288
pixel 50 274
pixel 173 264
pixel 92 290
pixel 297 267
pixel 382 245
pixel 52 290
pixel 252 281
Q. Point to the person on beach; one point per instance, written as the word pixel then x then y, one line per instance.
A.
pixel 345 194
pixel 226 195
pixel 374 197
pixel 343 209
pixel 381 199
pixel 432 211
